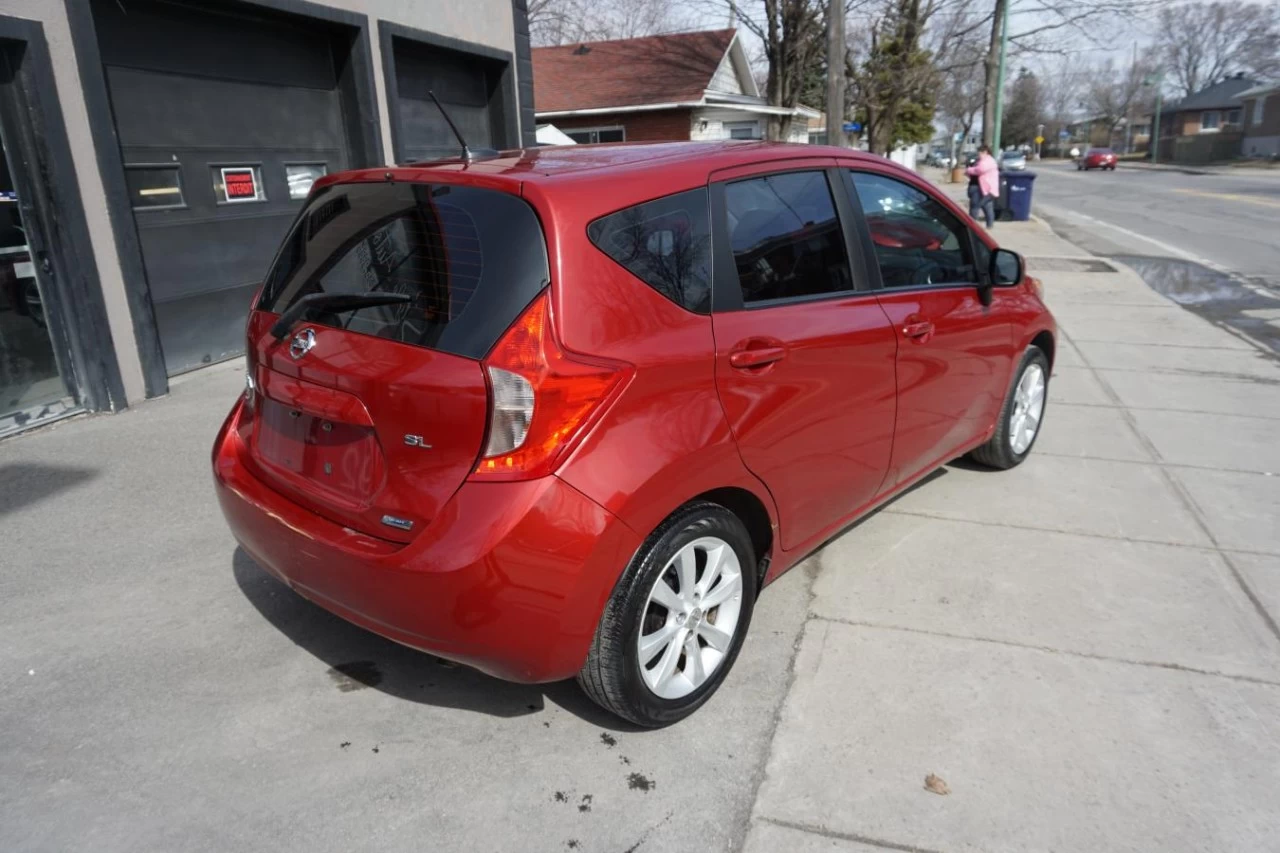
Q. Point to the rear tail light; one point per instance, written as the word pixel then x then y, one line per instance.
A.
pixel 542 399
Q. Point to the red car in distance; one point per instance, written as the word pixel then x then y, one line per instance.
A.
pixel 565 412
pixel 1097 158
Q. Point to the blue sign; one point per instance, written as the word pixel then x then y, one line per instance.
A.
pixel 851 126
pixel 1062 134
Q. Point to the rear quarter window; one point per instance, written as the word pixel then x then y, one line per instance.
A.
pixel 666 243
pixel 470 260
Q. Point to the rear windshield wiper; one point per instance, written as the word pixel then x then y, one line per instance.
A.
pixel 333 303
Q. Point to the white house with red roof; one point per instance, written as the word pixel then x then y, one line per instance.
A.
pixel 670 87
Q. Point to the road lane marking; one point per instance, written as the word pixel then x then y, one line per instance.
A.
pixel 1230 197
pixel 1173 251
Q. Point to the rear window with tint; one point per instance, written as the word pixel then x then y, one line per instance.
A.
pixel 666 243
pixel 469 259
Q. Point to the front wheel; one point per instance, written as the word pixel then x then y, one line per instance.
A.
pixel 1021 415
pixel 676 620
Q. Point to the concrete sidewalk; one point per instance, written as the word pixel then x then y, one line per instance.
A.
pixel 1084 648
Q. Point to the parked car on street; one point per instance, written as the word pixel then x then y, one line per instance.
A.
pixel 508 411
pixel 1097 158
pixel 1013 161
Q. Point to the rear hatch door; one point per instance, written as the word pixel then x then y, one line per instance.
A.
pixel 374 417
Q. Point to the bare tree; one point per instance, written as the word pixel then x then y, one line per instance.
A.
pixel 961 97
pixel 1113 91
pixel 793 34
pixel 1039 26
pixel 554 22
pixel 1063 82
pixel 1200 43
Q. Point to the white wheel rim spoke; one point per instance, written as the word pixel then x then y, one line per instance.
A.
pixel 1028 408
pixel 715 637
pixel 651 644
pixel 727 588
pixel 690 619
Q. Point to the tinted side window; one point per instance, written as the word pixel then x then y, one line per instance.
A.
pixel 786 239
pixel 917 240
pixel 470 260
pixel 666 243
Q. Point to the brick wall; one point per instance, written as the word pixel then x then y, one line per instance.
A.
pixel 1270 117
pixel 658 126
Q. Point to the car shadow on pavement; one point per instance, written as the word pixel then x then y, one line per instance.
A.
pixel 23 484
pixel 359 659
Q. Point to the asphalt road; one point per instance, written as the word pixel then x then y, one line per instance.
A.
pixel 1224 221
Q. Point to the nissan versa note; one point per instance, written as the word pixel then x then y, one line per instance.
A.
pixel 564 412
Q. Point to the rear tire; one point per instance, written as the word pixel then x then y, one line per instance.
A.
pixel 1021 416
pixel 708 605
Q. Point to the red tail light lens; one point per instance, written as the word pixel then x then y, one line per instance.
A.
pixel 542 399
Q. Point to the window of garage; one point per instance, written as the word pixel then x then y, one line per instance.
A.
pixel 474 83
pixel 224 113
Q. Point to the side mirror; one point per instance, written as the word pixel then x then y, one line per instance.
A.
pixel 1006 267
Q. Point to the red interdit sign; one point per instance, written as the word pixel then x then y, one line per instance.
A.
pixel 240 184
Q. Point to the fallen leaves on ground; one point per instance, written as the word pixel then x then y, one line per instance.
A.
pixel 936 785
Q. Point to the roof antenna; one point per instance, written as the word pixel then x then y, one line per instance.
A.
pixel 467 156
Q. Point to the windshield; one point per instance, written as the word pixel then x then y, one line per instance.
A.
pixel 469 260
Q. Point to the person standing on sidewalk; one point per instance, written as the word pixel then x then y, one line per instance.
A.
pixel 988 174
pixel 975 194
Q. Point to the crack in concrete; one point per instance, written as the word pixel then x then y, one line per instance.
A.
pixel 847 836
pixel 811 566
pixel 1177 667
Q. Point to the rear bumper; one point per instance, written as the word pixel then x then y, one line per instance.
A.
pixel 510 578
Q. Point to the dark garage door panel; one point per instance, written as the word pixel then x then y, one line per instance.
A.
pixel 470 88
pixel 154 109
pixel 178 38
pixel 186 260
pixel 201 90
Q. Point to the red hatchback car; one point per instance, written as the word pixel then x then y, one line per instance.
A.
pixel 1097 158
pixel 566 411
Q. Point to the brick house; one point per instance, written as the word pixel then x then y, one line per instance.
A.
pixel 1261 106
pixel 1206 125
pixel 671 87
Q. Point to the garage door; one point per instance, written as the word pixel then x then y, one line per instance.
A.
pixel 223 121
pixel 474 87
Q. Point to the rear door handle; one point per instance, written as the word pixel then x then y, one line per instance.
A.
pixel 917 330
pixel 746 358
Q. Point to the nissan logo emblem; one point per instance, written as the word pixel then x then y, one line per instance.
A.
pixel 302 343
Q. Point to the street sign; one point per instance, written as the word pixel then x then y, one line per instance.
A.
pixel 1039 140
pixel 1062 134
pixel 851 126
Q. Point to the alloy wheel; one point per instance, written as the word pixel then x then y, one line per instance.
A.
pixel 690 618
pixel 1028 408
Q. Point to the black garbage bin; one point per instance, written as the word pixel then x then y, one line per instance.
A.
pixel 1015 189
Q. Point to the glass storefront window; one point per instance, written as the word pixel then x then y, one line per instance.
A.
pixel 301 176
pixel 153 187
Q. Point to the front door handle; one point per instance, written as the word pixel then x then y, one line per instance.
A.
pixel 748 358
pixel 917 330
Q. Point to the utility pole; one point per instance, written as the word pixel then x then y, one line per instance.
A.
pixel 835 73
pixel 1156 80
pixel 1004 45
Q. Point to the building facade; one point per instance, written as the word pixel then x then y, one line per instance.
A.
pixel 156 151
pixel 681 86
pixel 1261 116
